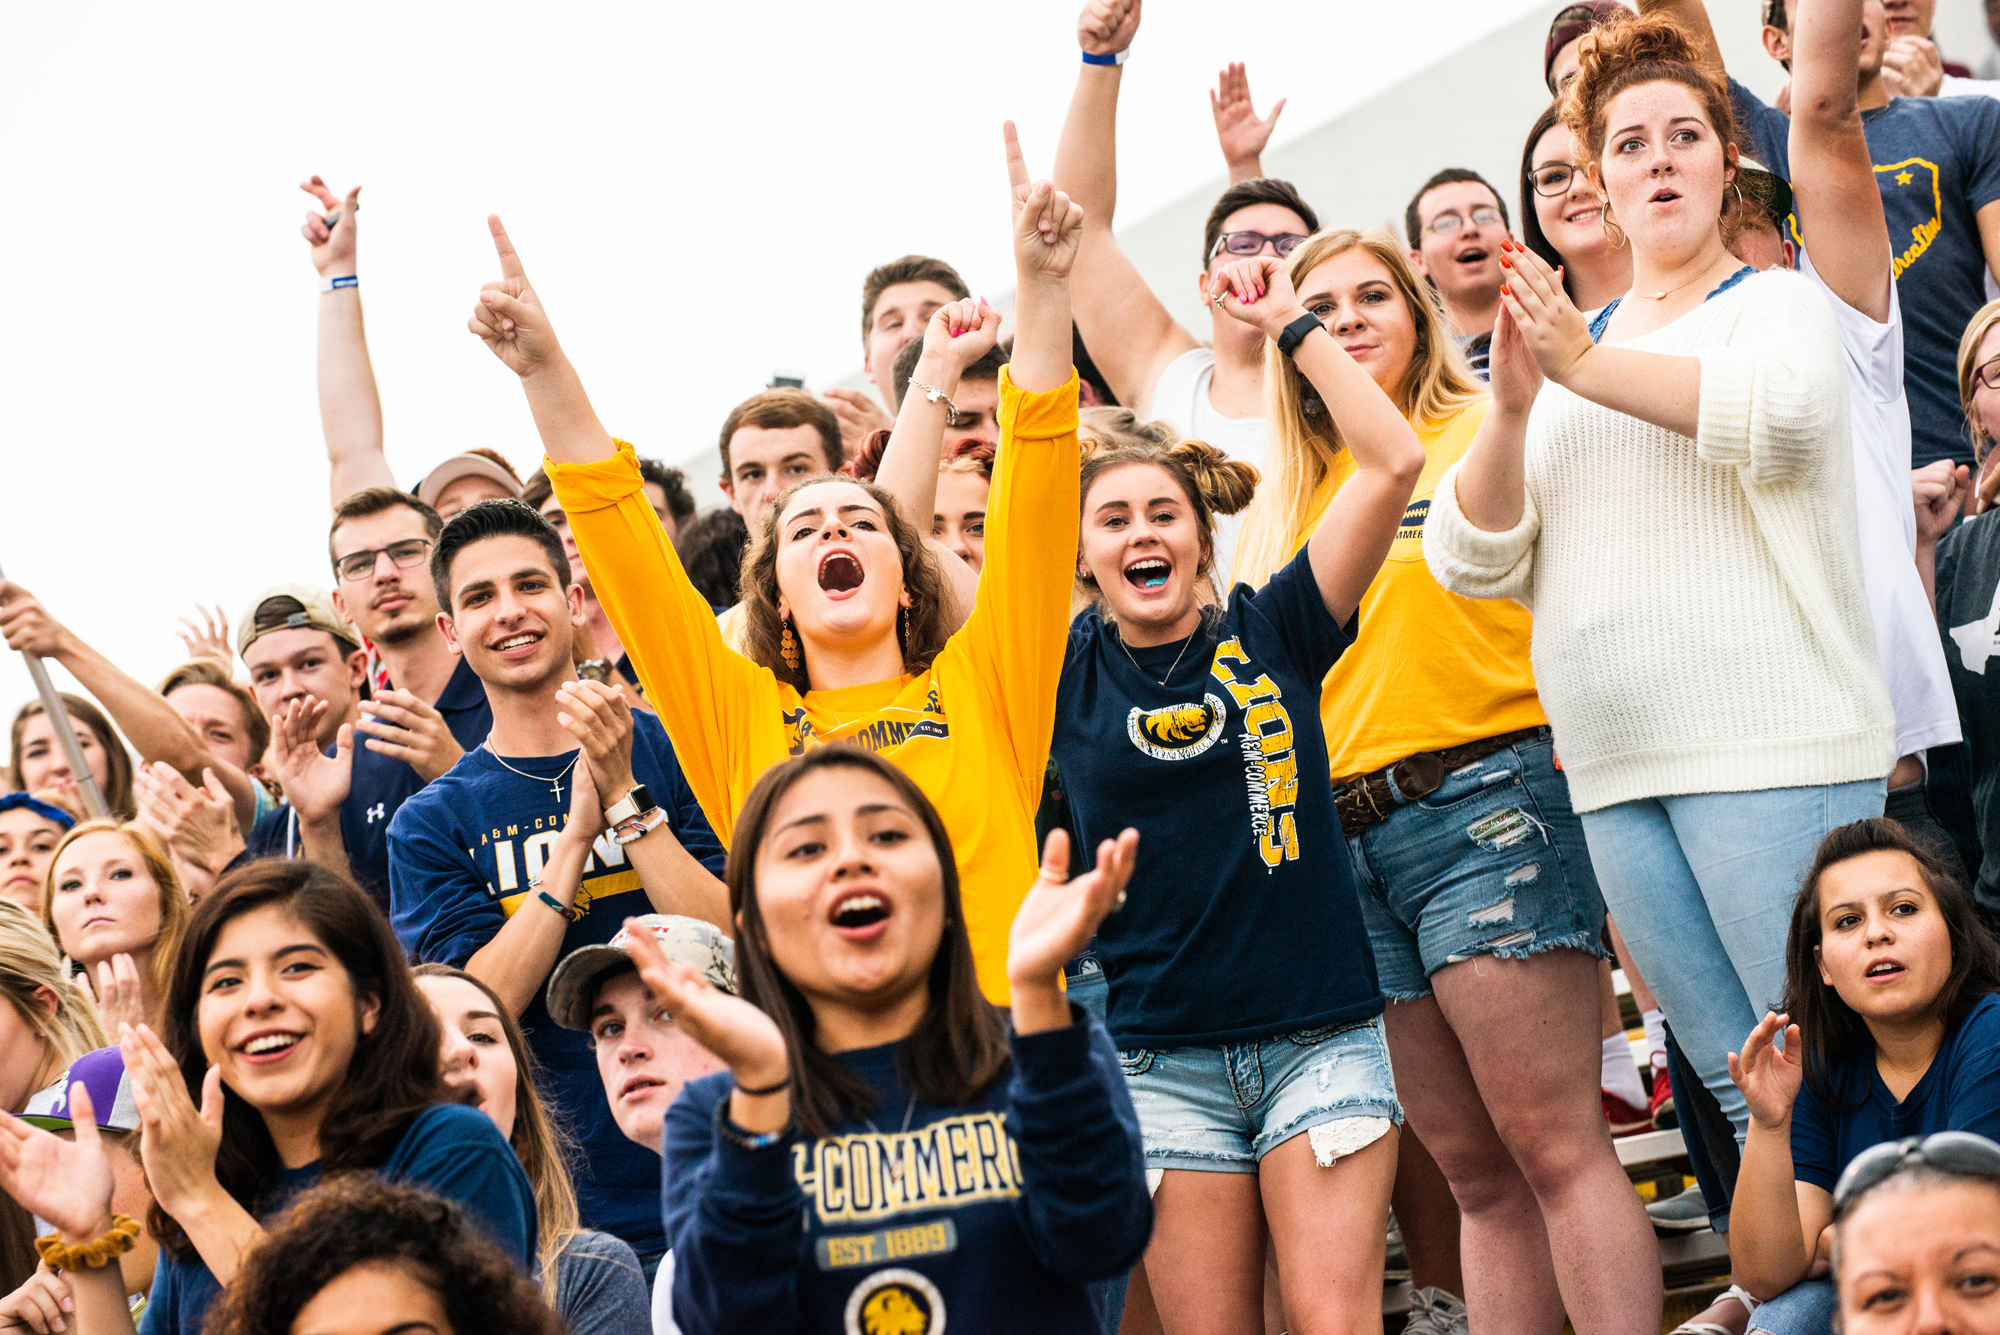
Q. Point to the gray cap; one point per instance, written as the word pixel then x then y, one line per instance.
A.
pixel 690 941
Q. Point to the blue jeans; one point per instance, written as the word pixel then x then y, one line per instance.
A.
pixel 1492 863
pixel 1807 1308
pixel 1702 886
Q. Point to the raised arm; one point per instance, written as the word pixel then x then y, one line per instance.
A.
pixel 156 731
pixel 1776 1220
pixel 350 411
pixel 1353 537
pixel 510 320
pixel 1130 333
pixel 1237 129
pixel 1833 176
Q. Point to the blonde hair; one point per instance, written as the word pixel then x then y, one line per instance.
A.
pixel 1983 321
pixel 173 898
pixel 1435 387
pixel 29 962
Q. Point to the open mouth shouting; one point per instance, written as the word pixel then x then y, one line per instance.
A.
pixel 1148 573
pixel 859 915
pixel 1472 256
pixel 840 574
pixel 269 1046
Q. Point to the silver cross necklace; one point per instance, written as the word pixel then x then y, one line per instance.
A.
pixel 554 783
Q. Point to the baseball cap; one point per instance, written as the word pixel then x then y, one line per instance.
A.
pixel 1571 22
pixel 690 941
pixel 465 465
pixel 293 607
pixel 1764 188
pixel 102 1073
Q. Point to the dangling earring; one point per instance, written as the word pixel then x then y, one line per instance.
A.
pixel 903 628
pixel 1613 232
pixel 788 648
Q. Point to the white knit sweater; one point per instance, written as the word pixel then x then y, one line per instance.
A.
pixel 1701 624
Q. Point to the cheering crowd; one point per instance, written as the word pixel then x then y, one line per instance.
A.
pixel 1173 890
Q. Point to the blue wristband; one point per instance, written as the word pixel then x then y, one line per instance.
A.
pixel 1116 58
pixel 555 904
pixel 336 284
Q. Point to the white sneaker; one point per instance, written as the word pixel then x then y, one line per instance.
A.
pixel 1435 1312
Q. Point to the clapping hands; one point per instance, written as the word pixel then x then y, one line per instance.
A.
pixel 1551 328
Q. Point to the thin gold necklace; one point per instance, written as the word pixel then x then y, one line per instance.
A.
pixel 1667 292
pixel 1177 657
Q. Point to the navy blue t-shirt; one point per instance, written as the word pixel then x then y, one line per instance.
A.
pixel 1960 1092
pixel 451 1150
pixel 465 849
pixel 380 786
pixel 980 1219
pixel 1937 163
pixel 1242 920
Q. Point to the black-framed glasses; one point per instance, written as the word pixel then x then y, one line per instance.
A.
pixel 1554 178
pixel 1987 374
pixel 1959 1153
pixel 1447 223
pixel 1251 243
pixel 357 566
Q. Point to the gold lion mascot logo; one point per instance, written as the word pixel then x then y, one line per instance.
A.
pixel 895 1302
pixel 1178 732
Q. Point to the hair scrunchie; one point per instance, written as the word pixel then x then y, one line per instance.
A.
pixel 93 1255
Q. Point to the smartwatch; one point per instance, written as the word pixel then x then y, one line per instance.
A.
pixel 634 803
pixel 1296 331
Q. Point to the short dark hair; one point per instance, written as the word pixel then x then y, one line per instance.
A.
pixel 959 1047
pixel 1776 17
pixel 711 547
pixel 1257 190
pixel 373 501
pixel 1086 369
pixel 360 1220
pixel 393 1075
pixel 1414 226
pixel 672 481
pixel 492 519
pixel 900 374
pixel 909 269
pixel 1829 1029
pixel 780 410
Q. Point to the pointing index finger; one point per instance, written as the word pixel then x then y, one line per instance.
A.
pixel 510 263
pixel 1017 166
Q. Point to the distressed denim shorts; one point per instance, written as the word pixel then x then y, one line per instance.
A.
pixel 1492 863
pixel 1220 1110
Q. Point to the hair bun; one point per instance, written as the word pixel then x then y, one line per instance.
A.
pixel 1226 484
pixel 867 460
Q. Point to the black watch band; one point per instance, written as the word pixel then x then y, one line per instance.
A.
pixel 1296 331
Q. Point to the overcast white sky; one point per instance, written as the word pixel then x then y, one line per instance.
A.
pixel 696 191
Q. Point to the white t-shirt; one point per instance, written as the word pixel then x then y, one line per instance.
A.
pixel 1180 397
pixel 663 1298
pixel 1906 635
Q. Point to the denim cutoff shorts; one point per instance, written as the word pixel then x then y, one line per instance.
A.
pixel 1221 1110
pixel 1492 863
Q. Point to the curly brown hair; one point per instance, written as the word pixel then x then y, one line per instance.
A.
pixel 357 1220
pixel 1626 52
pixel 922 633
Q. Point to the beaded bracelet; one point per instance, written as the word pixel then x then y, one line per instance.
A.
pixel 93 1255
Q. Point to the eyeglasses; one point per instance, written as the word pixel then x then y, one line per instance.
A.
pixel 1555 178
pixel 1250 243
pixel 1959 1153
pixel 1987 375
pixel 357 566
pixel 1447 223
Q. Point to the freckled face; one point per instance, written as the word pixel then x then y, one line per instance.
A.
pixel 1664 168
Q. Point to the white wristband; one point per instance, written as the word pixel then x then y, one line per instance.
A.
pixel 336 283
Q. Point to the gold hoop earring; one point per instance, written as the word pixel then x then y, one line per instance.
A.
pixel 1740 202
pixel 788 647
pixel 1613 232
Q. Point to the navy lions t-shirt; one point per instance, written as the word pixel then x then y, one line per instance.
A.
pixel 463 852
pixel 1242 919
pixel 1937 163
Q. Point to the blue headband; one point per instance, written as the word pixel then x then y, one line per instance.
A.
pixel 43 809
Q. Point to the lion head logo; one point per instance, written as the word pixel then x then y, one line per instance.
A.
pixel 895 1302
pixel 1177 732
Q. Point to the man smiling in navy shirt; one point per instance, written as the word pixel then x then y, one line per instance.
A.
pixel 573 817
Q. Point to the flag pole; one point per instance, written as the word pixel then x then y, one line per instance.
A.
pixel 52 705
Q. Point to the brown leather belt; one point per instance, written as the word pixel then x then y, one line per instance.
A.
pixel 1370 800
